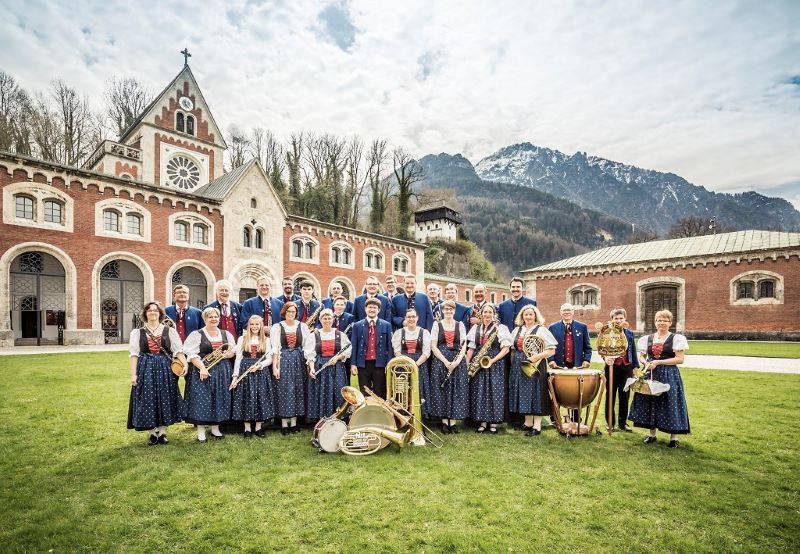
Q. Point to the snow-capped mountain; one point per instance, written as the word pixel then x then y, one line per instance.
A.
pixel 647 198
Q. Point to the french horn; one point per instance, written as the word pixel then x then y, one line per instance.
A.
pixel 532 344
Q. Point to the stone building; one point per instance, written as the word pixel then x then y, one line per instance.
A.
pixel 744 284
pixel 436 222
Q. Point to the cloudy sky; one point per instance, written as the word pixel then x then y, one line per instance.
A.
pixel 707 90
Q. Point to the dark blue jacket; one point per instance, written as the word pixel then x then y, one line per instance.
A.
pixel 384 313
pixel 255 306
pixel 423 306
pixel 292 299
pixel 581 346
pixel 344 321
pixel 508 309
pixel 328 303
pixel 462 314
pixel 359 336
pixel 193 318
pixel 236 312
pixel 312 306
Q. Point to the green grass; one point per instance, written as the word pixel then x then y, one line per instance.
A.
pixel 73 478
pixel 759 349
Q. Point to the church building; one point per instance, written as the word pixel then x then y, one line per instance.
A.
pixel 84 248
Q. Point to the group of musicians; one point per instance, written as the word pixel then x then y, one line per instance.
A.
pixel 288 356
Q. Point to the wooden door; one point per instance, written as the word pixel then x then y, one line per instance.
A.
pixel 660 298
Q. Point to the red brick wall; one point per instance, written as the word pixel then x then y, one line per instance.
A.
pixel 84 248
pixel 707 289
pixel 130 169
pixel 167 118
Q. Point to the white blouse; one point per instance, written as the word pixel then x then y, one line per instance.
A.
pixel 241 352
pixel 542 332
pixel 310 344
pixel 679 343
pixel 503 336
pixel 462 332
pixel 192 345
pixel 412 336
pixel 174 341
pixel 275 334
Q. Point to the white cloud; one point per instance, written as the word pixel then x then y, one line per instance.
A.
pixel 703 90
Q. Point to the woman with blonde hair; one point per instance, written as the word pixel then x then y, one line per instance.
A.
pixel 661 353
pixel 529 396
pixel 253 396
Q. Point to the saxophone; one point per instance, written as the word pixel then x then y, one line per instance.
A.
pixel 480 360
pixel 313 317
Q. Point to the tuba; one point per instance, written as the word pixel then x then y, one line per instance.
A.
pixel 480 360
pixel 611 340
pixel 532 344
pixel 402 388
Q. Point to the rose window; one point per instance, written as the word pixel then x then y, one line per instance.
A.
pixel 183 173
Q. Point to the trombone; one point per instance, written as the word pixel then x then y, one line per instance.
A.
pixel 405 418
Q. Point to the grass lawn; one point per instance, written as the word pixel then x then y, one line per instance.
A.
pixel 73 478
pixel 761 349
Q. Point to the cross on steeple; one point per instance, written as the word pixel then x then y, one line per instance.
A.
pixel 186 56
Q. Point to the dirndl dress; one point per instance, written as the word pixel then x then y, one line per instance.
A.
pixel 487 390
pixel 452 401
pixel 667 412
pixel 325 391
pixel 254 396
pixel 208 402
pixel 290 388
pixel 155 400
pixel 527 395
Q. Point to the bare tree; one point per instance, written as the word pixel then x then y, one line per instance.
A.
pixel 378 186
pixel 239 148
pixel 293 157
pixel 691 227
pixel 15 110
pixel 642 235
pixel 357 179
pixel 125 100
pixel 407 172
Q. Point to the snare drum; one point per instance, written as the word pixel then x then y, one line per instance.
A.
pixel 575 388
pixel 327 433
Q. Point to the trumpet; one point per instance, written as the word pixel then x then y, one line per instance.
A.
pixel 215 356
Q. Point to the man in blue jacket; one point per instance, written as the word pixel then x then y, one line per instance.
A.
pixel 230 311
pixel 508 309
pixel 264 305
pixel 462 312
pixel 385 311
pixel 412 299
pixel 623 370
pixel 288 291
pixel 187 318
pixel 574 349
pixel 336 290
pixel 372 349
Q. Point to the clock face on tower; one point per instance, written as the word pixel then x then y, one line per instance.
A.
pixel 183 173
pixel 186 103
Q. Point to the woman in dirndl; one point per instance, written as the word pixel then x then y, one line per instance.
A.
pixel 155 401
pixel 530 396
pixel 326 351
pixel 207 396
pixel 253 395
pixel 487 387
pixel 661 353
pixel 449 392
pixel 288 368
pixel 415 342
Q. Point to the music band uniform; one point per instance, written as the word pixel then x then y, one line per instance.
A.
pixel 207 402
pixel 324 391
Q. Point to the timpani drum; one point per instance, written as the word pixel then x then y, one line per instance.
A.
pixel 575 389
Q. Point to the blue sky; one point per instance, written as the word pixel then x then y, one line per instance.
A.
pixel 707 90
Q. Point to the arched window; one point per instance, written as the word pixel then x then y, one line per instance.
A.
pixel 304 249
pixel 766 289
pixel 111 221
pixel 200 233
pixel 190 124
pixel 336 255
pixel 757 287
pixel 25 207
pixel 179 122
pixel 584 295
pixel 347 256
pixel 181 231
pixel 259 239
pixel 309 250
pixel 400 264
pixel 134 224
pixel 745 290
pixel 53 211
pixel 341 255
pixel 368 258
pixel 246 237
pixel 297 248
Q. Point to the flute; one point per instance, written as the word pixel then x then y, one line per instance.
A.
pixel 253 368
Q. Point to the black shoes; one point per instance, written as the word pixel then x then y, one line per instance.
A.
pixel 445 429
pixel 673 443
pixel 453 429
pixel 285 431
pixel 260 433
pixel 532 432
pixel 153 440
pixel 525 428
pixel 162 439
pixel 294 429
pixel 248 434
pixel 649 439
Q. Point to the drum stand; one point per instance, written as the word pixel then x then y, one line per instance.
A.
pixel 566 425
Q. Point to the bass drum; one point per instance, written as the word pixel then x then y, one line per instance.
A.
pixel 373 415
pixel 327 433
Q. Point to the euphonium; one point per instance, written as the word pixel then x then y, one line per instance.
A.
pixel 215 356
pixel 532 344
pixel 480 360
pixel 367 440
